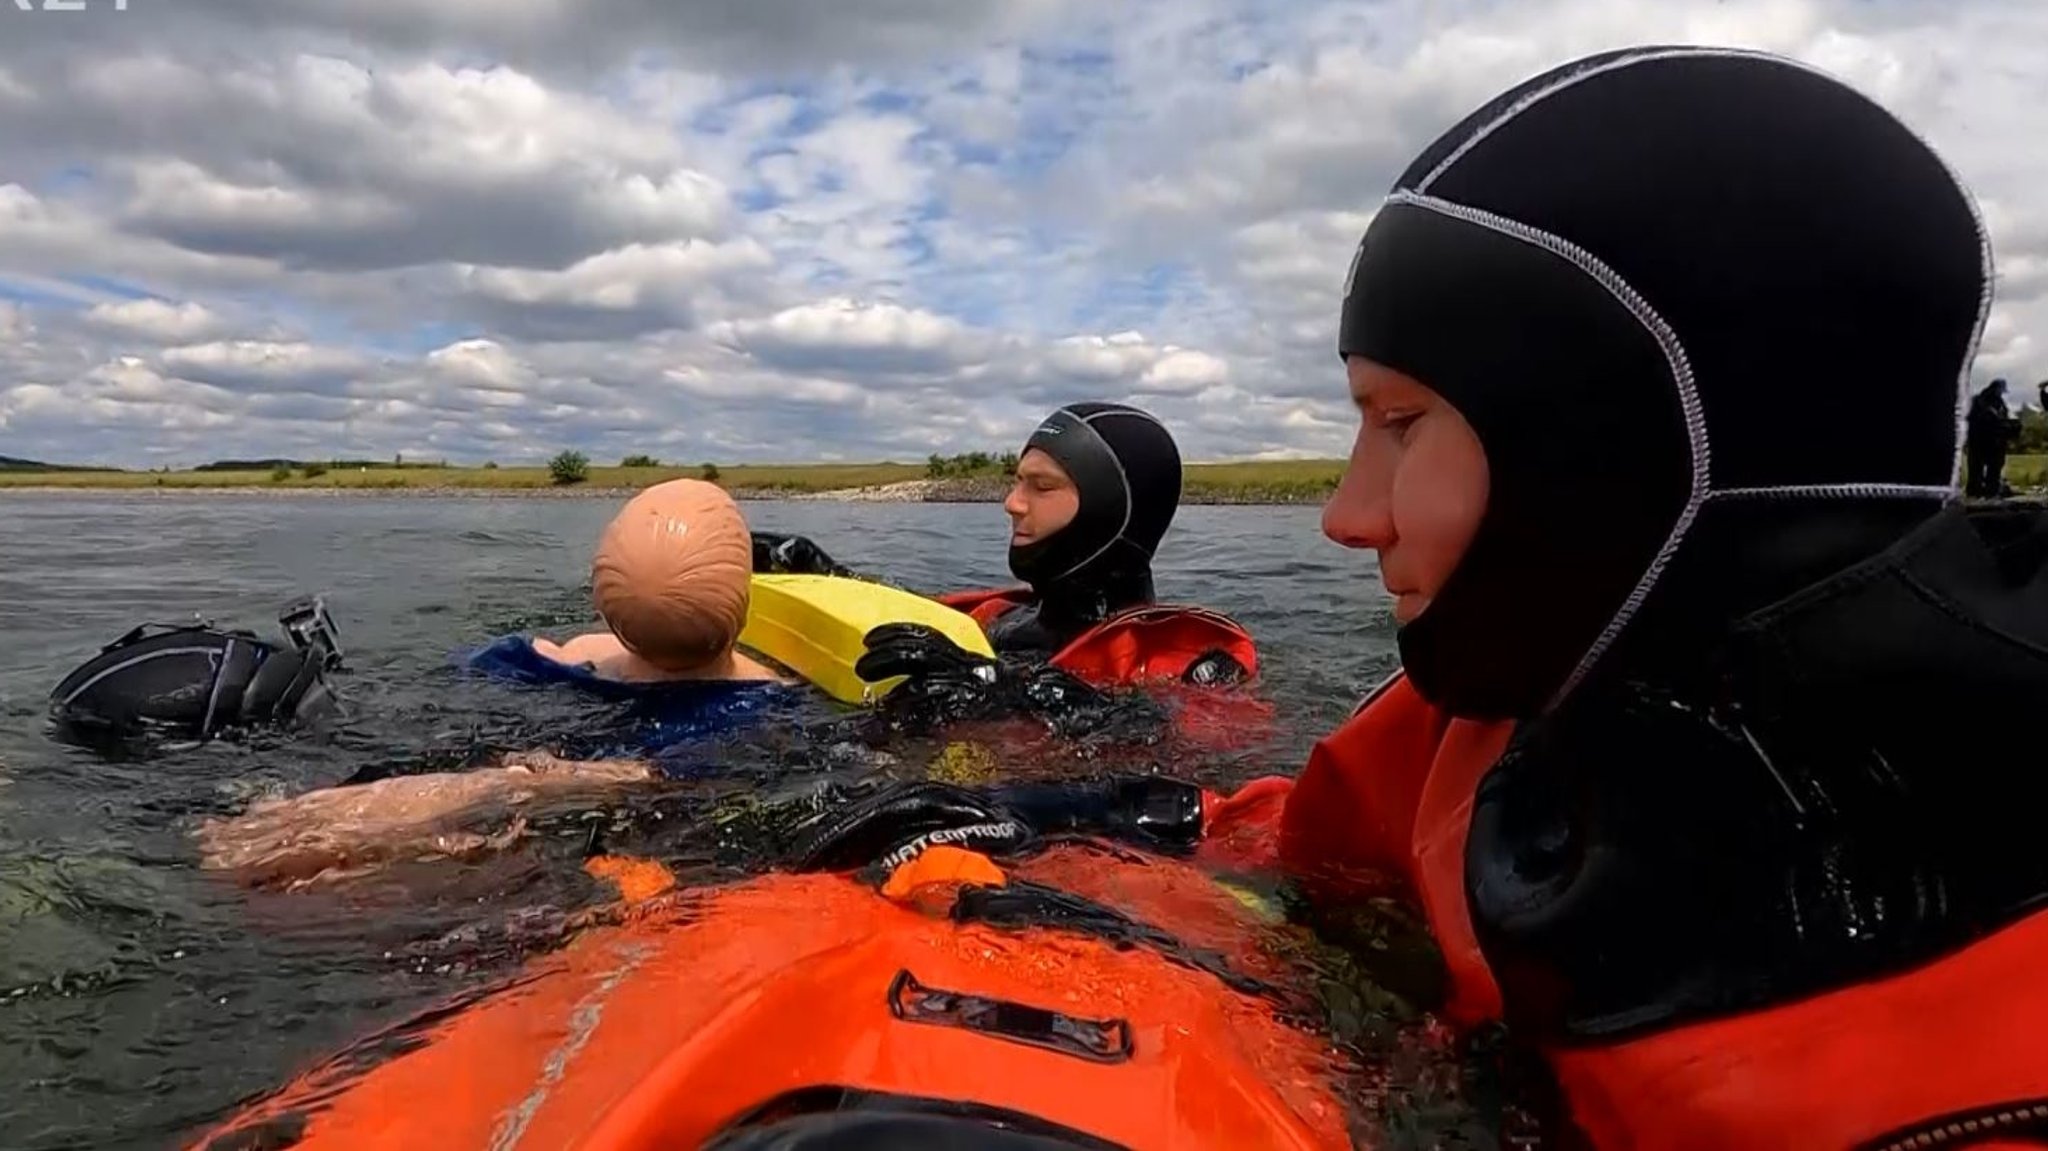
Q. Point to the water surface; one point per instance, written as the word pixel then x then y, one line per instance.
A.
pixel 140 997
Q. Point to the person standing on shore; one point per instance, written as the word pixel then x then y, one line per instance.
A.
pixel 1991 430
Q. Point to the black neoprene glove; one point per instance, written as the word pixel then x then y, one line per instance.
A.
pixel 946 683
pixel 899 821
pixel 779 554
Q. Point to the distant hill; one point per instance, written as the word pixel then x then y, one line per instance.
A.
pixel 15 464
pixel 267 463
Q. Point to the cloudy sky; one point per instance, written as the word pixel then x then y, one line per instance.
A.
pixel 796 229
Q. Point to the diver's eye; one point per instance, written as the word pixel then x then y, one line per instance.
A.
pixel 1398 422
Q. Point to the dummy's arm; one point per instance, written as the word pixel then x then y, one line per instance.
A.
pixel 946 683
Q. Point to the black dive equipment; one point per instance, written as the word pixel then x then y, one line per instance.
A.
pixel 197 680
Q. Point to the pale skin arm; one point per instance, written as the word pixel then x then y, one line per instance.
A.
pixel 336 832
pixel 340 831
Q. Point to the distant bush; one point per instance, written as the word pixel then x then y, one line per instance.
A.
pixel 313 471
pixel 280 473
pixel 1009 463
pixel 708 473
pixel 570 468
pixel 490 465
pixel 639 462
pixel 967 465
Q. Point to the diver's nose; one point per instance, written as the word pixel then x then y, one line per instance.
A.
pixel 1359 514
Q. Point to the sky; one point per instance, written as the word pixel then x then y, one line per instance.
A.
pixel 788 230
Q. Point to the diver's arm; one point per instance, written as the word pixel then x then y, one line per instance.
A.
pixel 945 683
pixel 840 830
pixel 1371 792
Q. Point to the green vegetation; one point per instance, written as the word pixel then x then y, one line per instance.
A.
pixel 2033 432
pixel 971 465
pixel 1266 481
pixel 1262 481
pixel 2028 471
pixel 569 468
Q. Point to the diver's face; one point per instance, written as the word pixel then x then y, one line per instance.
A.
pixel 1042 501
pixel 1415 487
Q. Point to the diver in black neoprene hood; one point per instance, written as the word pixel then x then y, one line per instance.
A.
pixel 1124 471
pixel 198 681
pixel 1096 488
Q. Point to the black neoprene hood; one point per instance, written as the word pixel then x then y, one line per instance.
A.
pixel 1686 297
pixel 1127 471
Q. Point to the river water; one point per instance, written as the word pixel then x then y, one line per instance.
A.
pixel 141 997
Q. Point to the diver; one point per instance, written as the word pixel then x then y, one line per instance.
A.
pixel 1096 488
pixel 200 681
pixel 1692 766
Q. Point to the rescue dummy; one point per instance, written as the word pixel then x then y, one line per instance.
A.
pixel 670 578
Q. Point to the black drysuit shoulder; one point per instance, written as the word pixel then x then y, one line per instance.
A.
pixel 1846 793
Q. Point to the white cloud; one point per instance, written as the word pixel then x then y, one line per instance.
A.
pixel 781 230
pixel 156 320
pixel 261 366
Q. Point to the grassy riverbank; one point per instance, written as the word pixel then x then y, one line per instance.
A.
pixel 1279 481
pixel 1256 482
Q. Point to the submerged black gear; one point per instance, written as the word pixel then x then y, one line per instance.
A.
pixel 1709 313
pixel 196 681
pixel 1128 473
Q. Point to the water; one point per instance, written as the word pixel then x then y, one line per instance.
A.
pixel 140 997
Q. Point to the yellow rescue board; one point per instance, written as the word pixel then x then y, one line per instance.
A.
pixel 814 626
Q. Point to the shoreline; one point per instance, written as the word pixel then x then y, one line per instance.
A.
pixel 948 491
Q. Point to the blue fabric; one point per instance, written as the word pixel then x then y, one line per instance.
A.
pixel 659 720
